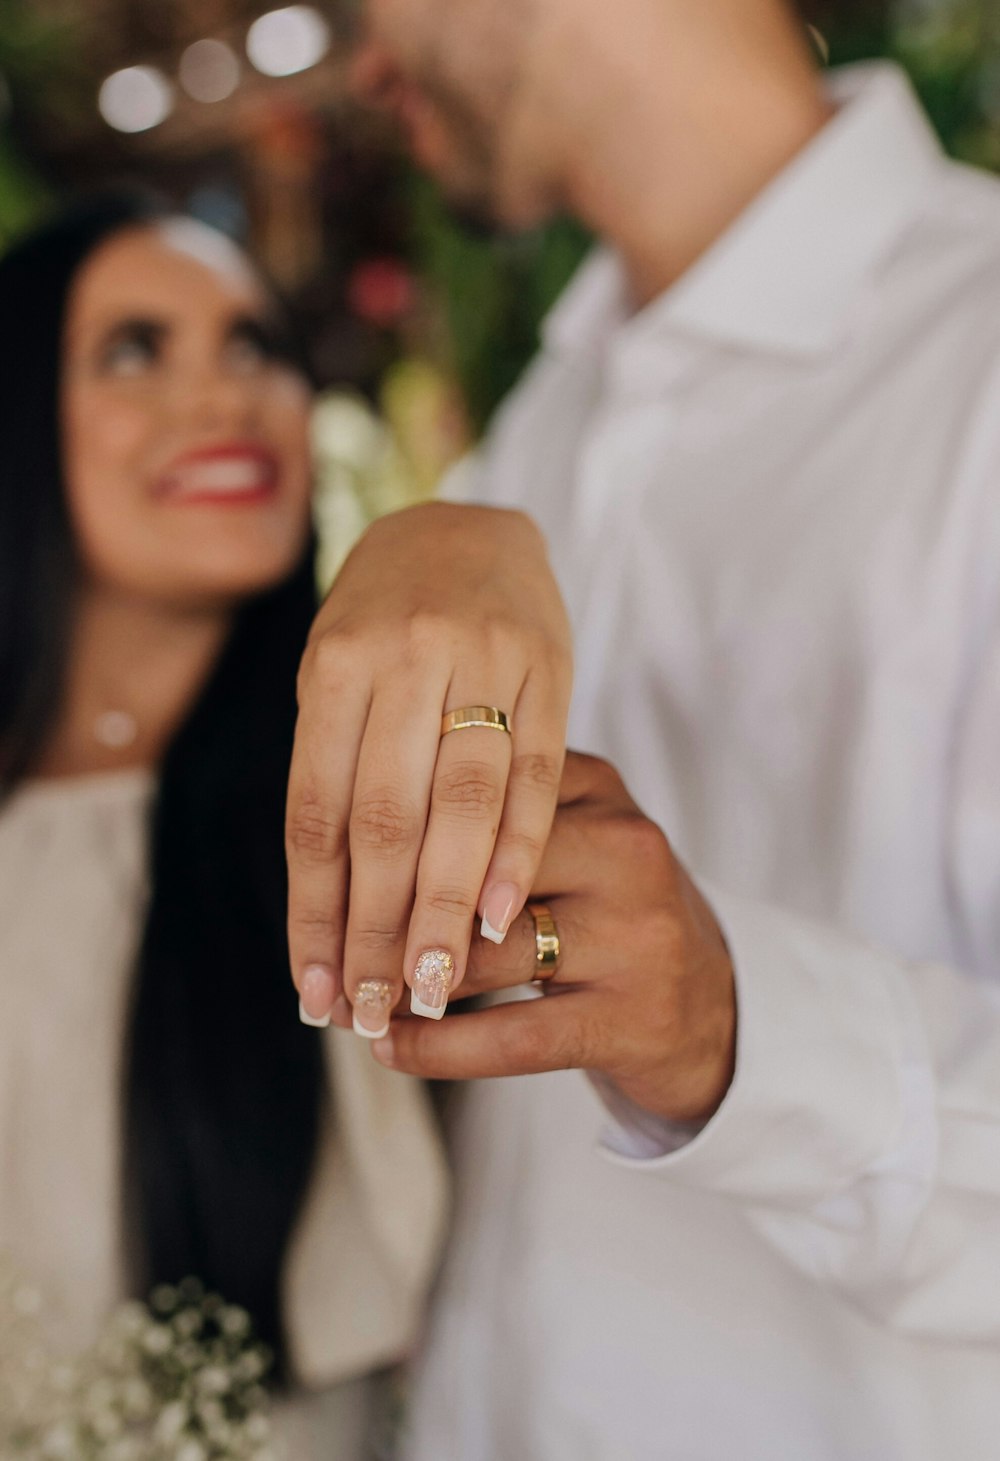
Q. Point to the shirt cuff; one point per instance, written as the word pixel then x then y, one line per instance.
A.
pixel 636 1134
pixel 817 1096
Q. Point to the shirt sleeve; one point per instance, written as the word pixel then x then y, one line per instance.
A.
pixel 862 1129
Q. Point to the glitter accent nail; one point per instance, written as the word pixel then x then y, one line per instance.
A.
pixel 373 1000
pixel 432 981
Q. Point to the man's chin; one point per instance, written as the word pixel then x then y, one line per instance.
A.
pixel 480 215
pixel 476 217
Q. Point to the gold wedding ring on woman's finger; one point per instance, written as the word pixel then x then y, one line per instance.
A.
pixel 476 717
pixel 547 945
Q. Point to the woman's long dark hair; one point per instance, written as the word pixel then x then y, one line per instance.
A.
pixel 222 1085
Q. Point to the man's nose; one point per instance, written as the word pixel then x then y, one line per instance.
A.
pixel 373 74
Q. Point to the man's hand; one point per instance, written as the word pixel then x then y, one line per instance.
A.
pixel 396 838
pixel 643 992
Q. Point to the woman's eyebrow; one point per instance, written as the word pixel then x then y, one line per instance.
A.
pixel 143 325
pixel 248 323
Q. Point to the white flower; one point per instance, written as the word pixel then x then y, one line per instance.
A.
pixel 137 1398
pixel 130 1320
pixel 148 1390
pixel 187 1323
pixel 172 1420
pixel 157 1339
pixel 60 1441
pixel 213 1381
pixel 191 1451
pixel 164 1298
pixel 234 1322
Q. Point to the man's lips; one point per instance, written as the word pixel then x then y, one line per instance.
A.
pixel 236 473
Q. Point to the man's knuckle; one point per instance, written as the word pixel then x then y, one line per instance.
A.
pixel 648 838
pixel 525 524
pixel 606 777
pixel 635 838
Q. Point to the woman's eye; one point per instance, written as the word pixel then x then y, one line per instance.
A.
pixel 129 356
pixel 247 353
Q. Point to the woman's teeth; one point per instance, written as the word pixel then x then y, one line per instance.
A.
pixel 221 477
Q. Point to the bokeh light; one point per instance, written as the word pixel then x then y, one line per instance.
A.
pixel 209 71
pixel 135 99
pixel 285 41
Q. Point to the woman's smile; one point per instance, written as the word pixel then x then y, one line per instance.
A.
pixel 231 474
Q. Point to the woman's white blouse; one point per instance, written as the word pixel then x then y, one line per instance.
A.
pixel 73 889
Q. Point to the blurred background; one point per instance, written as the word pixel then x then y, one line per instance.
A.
pixel 240 111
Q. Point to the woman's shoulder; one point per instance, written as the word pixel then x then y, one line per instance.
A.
pixel 73 851
pixel 66 797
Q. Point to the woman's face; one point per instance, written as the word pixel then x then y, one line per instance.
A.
pixel 185 436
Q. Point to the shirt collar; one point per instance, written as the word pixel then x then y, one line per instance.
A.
pixel 784 276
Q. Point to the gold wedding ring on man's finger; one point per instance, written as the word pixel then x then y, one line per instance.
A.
pixel 547 944
pixel 476 717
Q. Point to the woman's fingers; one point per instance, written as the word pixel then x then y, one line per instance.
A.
pixel 387 823
pixel 321 784
pixel 437 596
pixel 466 804
pixel 530 802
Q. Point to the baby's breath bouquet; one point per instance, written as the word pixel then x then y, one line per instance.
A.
pixel 177 1379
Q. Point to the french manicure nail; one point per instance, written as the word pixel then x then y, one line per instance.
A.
pixel 498 911
pixel 317 993
pixel 322 1023
pixel 372 1003
pixel 432 981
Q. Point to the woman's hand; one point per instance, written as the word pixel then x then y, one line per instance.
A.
pixel 397 837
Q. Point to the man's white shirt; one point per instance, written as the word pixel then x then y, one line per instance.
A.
pixel 772 500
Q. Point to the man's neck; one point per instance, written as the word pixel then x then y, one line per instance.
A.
pixel 692 128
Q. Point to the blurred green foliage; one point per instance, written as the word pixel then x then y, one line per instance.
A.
pixel 31 49
pixel 952 51
pixel 494 292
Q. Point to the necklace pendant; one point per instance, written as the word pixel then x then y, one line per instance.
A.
pixel 116 729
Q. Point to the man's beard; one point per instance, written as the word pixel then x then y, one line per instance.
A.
pixel 477 218
pixel 470 189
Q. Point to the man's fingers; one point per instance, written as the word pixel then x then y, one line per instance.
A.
pixel 514 963
pixel 589 778
pixel 320 791
pixel 524 1038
